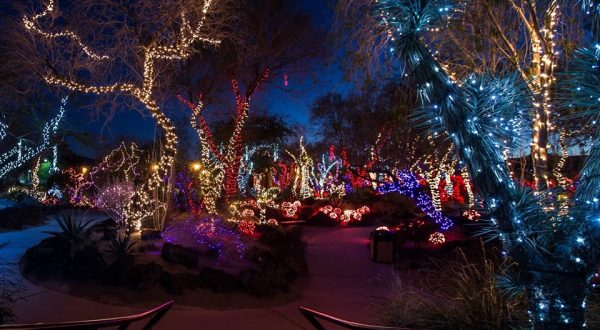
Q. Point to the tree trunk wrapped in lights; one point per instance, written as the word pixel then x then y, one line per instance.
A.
pixel 141 205
pixel 230 160
pixel 556 253
pixel 21 154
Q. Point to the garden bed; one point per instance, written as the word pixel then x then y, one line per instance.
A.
pixel 270 271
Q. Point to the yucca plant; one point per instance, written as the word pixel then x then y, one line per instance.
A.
pixel 121 246
pixel 460 294
pixel 75 228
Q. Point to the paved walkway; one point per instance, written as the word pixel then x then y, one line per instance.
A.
pixel 342 282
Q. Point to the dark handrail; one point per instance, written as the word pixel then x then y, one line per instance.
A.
pixel 312 316
pixel 122 322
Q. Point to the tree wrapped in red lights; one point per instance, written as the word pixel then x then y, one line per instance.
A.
pixel 356 177
pixel 230 160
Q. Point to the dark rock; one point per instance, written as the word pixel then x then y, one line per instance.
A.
pixel 178 254
pixel 309 201
pixel 306 212
pixel 107 229
pixel 253 282
pixel 279 273
pixel 271 235
pixel 176 283
pixel 142 276
pixel 217 280
pixel 115 273
pixel 49 257
pixel 294 232
pixel 272 213
pixel 256 253
pixel 151 234
pixel 87 263
pixel 367 219
pixel 321 219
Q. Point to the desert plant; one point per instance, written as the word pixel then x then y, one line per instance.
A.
pixel 121 246
pixel 460 294
pixel 74 228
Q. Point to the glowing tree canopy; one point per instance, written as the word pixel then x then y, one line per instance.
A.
pixel 113 199
pixel 21 153
pixel 141 205
pixel 556 251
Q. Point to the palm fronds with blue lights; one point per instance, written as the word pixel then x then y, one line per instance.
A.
pixel 483 116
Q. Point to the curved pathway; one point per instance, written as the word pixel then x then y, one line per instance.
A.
pixel 342 281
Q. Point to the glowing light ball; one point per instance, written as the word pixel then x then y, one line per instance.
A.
pixel 247 213
pixel 246 227
pixel 437 238
pixel 472 215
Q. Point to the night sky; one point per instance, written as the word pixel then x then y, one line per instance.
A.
pixel 293 106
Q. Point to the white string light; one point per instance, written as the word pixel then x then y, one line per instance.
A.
pixel 141 205
pixel 25 153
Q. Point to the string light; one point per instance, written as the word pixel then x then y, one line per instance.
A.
pixel 408 185
pixel 30 24
pixel 544 56
pixel 515 217
pixel 3 128
pixel 113 199
pixel 54 168
pixel 230 160
pixel 141 205
pixel 24 153
pixel 437 238
pixel 301 186
pixel 345 216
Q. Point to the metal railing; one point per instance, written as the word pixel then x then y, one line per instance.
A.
pixel 122 322
pixel 313 317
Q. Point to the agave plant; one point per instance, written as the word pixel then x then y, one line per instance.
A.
pixel 121 246
pixel 75 228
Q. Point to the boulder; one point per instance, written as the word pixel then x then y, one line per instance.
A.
pixel 49 257
pixel 305 213
pixel 253 282
pixel 150 234
pixel 107 229
pixel 217 280
pixel 115 273
pixel 271 235
pixel 87 263
pixel 279 273
pixel 142 276
pixel 321 219
pixel 178 254
pixel 176 283
pixel 367 219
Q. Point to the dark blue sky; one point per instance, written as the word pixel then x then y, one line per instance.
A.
pixel 294 106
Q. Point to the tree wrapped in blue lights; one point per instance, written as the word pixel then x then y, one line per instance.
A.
pixel 406 183
pixel 554 247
